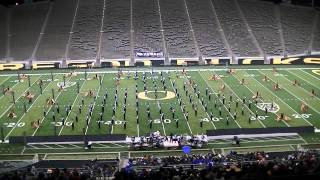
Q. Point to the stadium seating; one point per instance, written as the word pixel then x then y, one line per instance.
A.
pixel 256 165
pixel 146 25
pixel 233 26
pixel 176 27
pixel 206 29
pixel 25 27
pixel 3 32
pixel 116 36
pixel 84 40
pixel 316 35
pixel 253 165
pixel 262 20
pixel 56 35
pixel 297 28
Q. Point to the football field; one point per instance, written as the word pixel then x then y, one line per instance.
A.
pixel 137 102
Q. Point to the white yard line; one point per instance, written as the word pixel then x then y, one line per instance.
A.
pixel 220 100
pixel 214 126
pixel 222 151
pixel 290 106
pixel 49 147
pixel 25 112
pixel 74 101
pixel 35 131
pixel 12 87
pixel 117 144
pixel 300 98
pixel 34 147
pixel 292 147
pixel 60 146
pixel 6 79
pixel 75 146
pixel 185 118
pixel 138 126
pixel 164 129
pixel 138 130
pixel 309 74
pixel 263 125
pixel 94 103
pixel 303 89
pixel 103 145
pixel 24 148
pixel 276 97
pixel 303 139
pixel 18 98
pixel 308 82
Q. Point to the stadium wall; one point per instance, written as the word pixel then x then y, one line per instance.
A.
pixel 67 138
pixel 308 60
pixel 271 130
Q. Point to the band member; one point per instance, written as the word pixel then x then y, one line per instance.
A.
pixel 53 116
pixel 242 111
pixel 242 81
pixel 276 86
pixel 265 78
pixel 274 70
pixel 313 93
pixel 227 118
pixel 304 107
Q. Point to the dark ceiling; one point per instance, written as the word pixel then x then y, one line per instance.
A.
pixel 8 3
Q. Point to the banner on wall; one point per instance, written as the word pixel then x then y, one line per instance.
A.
pixel 311 60
pixel 217 61
pixel 253 61
pixel 296 60
pixel 11 66
pixel 141 54
pixel 80 64
pixel 53 65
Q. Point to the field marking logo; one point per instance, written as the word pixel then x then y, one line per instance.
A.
pixel 143 95
pixel 68 84
pixel 273 109
pixel 317 72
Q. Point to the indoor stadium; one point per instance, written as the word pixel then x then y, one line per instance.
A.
pixel 159 89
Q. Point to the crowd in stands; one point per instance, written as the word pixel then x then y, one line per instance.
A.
pixel 87 171
pixel 258 165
